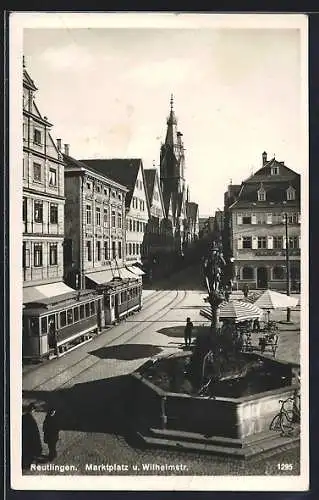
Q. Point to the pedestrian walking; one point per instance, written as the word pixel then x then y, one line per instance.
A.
pixel 245 290
pixel 227 294
pixel 188 332
pixel 31 440
pixel 51 432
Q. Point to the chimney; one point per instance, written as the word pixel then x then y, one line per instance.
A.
pixel 59 144
pixel 67 149
pixel 264 155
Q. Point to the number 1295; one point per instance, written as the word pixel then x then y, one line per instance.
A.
pixel 284 466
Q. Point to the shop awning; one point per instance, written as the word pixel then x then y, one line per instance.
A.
pixel 126 273
pixel 136 270
pixel 101 277
pixel 36 293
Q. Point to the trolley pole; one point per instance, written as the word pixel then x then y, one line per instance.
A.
pixel 287 266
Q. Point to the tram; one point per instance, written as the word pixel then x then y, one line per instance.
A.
pixel 53 326
pixel 122 297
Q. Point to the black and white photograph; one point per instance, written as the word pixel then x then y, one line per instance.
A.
pixel 159 281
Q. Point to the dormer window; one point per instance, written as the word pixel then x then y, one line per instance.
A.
pixel 291 193
pixel 274 170
pixel 261 193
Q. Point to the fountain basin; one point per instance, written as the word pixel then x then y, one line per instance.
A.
pixel 232 425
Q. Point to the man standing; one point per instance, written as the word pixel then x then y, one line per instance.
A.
pixel 51 432
pixel 188 332
pixel 31 441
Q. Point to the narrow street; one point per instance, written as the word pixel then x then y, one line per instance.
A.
pixel 87 386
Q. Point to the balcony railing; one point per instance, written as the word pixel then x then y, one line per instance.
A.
pixel 262 252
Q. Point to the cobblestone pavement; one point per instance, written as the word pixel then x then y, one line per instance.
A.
pixel 87 387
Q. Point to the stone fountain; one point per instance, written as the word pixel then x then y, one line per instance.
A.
pixel 216 398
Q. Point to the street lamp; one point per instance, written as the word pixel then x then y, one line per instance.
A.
pixel 287 264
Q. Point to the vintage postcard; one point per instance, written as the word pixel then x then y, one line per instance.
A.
pixel 159 322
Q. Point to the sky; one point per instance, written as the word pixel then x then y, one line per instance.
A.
pixel 237 93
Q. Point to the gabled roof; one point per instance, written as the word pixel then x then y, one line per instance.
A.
pixel 27 80
pixel 121 170
pixel 150 175
pixel 78 164
pixel 275 186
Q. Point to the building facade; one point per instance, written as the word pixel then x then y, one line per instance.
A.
pixel 129 173
pixel 94 224
pixel 259 231
pixel 43 196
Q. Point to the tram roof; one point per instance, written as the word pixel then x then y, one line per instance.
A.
pixel 66 299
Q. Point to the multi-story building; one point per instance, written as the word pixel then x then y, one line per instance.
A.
pixel 265 201
pixel 43 199
pixel 192 221
pixel 95 244
pixel 129 173
pixel 172 176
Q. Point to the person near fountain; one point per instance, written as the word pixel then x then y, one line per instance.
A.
pixel 188 332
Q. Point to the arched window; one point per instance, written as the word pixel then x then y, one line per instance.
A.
pixel 261 194
pixel 291 193
pixel 248 273
pixel 278 273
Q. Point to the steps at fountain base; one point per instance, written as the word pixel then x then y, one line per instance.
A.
pixel 189 441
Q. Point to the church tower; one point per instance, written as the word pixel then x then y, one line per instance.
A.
pixel 172 165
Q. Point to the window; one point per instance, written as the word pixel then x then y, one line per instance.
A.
pixel 113 193
pixel 246 219
pixel 24 210
pixel 98 216
pixel 98 250
pixel 274 171
pixel 105 217
pixel 261 195
pixel 88 214
pixel 24 170
pixel 291 194
pixel 62 319
pixel 92 308
pixel 69 315
pixel 25 256
pixel 87 310
pixel 119 220
pixel 106 192
pixel 38 211
pixel 261 218
pixel 37 255
pixel 120 196
pixel 76 314
pixel 82 311
pixel 130 224
pixel 53 213
pixel 53 254
pixel 130 248
pixel 106 250
pixel 98 188
pixel 52 177
pixel 89 250
pixel 293 218
pixel 278 273
pixel 278 242
pixel 134 225
pixel 247 242
pixel 34 326
pixel 133 248
pixel 37 172
pixel 37 137
pixel 248 273
pixel 113 218
pixel 293 242
pixel 44 325
pixel 120 249
pixel 88 186
pixel 262 242
pixel 113 250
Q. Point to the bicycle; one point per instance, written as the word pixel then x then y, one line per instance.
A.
pixel 284 419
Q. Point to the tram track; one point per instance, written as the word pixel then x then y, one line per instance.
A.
pixel 147 303
pixel 114 340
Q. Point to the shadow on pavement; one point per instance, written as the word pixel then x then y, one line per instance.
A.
pixel 173 331
pixel 127 351
pixel 99 406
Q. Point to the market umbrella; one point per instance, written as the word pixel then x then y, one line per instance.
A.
pixel 275 300
pixel 236 310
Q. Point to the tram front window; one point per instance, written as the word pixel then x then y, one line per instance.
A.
pixel 34 326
